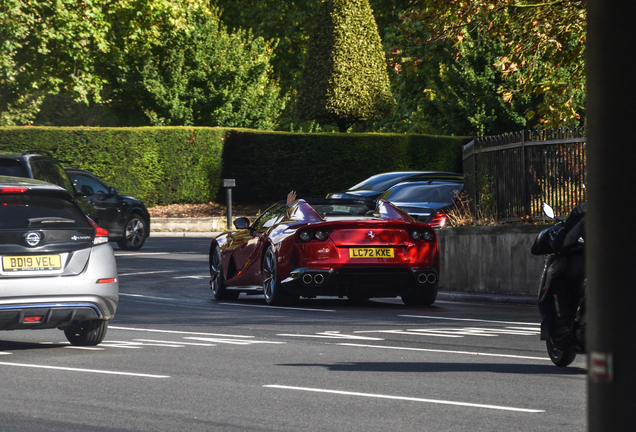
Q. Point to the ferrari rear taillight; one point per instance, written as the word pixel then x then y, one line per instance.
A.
pixel 101 234
pixel 309 235
pixel 425 235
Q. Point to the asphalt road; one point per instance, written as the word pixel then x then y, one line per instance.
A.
pixel 175 359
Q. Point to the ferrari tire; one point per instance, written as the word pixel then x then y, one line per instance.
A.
pixel 135 233
pixel 272 289
pixel 357 298
pixel 217 281
pixel 420 297
pixel 86 333
pixel 559 357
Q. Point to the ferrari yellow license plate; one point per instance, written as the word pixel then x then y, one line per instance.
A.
pixel 31 263
pixel 371 253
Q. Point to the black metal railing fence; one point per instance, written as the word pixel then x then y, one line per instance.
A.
pixel 509 176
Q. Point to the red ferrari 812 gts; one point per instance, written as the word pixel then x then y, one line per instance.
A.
pixel 327 247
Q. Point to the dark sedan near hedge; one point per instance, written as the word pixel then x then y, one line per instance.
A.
pixel 126 218
pixel 426 201
pixel 374 186
pixel 327 247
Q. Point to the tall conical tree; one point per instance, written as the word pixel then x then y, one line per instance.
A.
pixel 345 78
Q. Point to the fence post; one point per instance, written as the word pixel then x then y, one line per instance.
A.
pixel 524 173
pixel 468 162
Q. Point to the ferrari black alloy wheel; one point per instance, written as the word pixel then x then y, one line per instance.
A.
pixel 216 277
pixel 134 233
pixel 559 357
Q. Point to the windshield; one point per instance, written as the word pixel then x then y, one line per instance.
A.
pixel 343 210
pixel 445 193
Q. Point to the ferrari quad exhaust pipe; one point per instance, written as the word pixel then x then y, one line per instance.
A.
pixel 426 278
pixel 316 279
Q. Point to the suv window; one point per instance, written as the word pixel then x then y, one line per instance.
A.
pixel 50 171
pixel 12 167
pixel 37 211
pixel 80 180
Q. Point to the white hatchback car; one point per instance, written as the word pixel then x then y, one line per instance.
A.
pixel 57 269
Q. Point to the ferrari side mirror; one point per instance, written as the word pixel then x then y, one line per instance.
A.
pixel 242 223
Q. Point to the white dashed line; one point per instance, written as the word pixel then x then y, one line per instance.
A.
pixel 278 307
pixel 405 398
pixel 83 370
pixel 150 272
pixel 469 319
pixel 444 351
pixel 144 296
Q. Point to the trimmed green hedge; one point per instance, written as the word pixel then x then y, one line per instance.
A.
pixel 159 165
pixel 164 165
pixel 267 165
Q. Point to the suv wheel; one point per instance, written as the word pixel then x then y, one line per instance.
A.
pixel 134 233
pixel 87 333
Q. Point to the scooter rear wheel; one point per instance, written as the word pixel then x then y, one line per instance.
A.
pixel 559 357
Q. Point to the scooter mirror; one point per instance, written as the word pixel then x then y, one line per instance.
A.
pixel 548 211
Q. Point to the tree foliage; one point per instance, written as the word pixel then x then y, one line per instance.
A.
pixel 543 48
pixel 345 78
pixel 48 47
pixel 197 73
pixel 153 61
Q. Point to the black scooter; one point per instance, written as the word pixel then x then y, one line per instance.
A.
pixel 562 346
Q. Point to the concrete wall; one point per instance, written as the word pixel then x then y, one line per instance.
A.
pixel 490 259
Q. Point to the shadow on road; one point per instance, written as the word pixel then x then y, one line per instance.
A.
pixel 20 346
pixel 424 367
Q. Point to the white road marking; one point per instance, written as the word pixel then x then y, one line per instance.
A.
pixel 84 348
pixel 150 272
pixel 445 351
pixel 278 307
pixel 468 319
pixel 407 332
pixel 5 353
pixel 120 254
pixel 191 277
pixel 405 398
pixel 329 335
pixel 457 332
pixel 143 253
pixel 83 370
pixel 233 341
pixel 144 296
pixel 160 342
pixel 178 332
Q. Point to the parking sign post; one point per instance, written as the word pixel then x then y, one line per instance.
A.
pixel 229 184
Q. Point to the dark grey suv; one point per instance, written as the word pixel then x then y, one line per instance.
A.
pixel 57 269
pixel 40 165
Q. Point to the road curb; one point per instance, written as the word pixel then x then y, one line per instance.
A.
pixel 466 297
